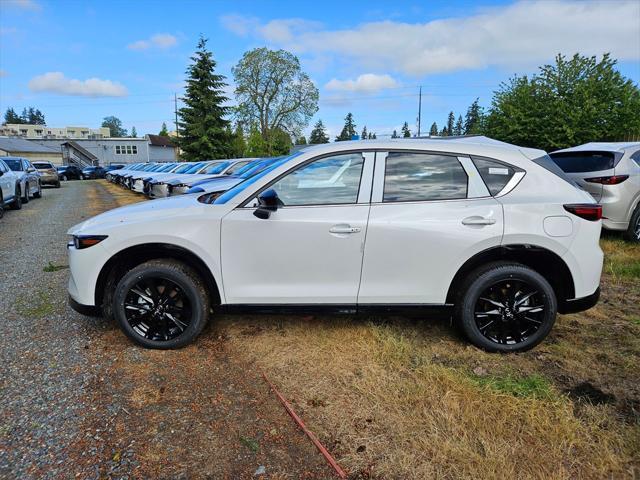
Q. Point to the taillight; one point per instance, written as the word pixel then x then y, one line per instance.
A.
pixel 612 180
pixel 588 211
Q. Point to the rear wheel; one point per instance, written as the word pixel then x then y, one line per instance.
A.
pixel 506 307
pixel 161 304
pixel 633 232
pixel 63 178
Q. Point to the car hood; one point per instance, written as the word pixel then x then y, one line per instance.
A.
pixel 158 210
pixel 219 184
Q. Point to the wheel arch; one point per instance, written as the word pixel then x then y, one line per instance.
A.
pixel 547 263
pixel 134 255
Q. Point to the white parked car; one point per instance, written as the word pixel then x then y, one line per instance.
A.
pixel 610 172
pixel 10 189
pixel 490 233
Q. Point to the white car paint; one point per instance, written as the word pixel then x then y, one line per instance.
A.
pixel 8 181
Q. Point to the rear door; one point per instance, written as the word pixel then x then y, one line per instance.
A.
pixel 430 212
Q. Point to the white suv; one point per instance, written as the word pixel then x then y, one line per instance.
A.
pixel 10 193
pixel 492 234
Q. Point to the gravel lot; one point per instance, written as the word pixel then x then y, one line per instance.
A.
pixel 80 401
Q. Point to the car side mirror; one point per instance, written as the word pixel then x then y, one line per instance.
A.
pixel 31 169
pixel 268 202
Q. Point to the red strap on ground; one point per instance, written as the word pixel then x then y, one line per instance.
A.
pixel 308 432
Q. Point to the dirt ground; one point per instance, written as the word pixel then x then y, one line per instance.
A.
pixel 391 398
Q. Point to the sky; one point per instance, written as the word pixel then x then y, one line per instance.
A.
pixel 79 61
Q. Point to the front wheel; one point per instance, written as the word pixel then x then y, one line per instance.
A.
pixel 25 199
pixel 38 193
pixel 506 307
pixel 17 200
pixel 161 304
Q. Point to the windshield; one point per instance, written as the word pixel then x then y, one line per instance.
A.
pixel 184 168
pixel 13 164
pixel 42 166
pixel 215 168
pixel 229 194
pixel 196 167
pixel 257 168
pixel 166 168
pixel 237 167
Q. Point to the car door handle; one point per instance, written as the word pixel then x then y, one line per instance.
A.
pixel 344 229
pixel 477 220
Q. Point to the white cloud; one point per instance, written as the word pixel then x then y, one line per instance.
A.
pixel 24 4
pixel 366 83
pixel 521 35
pixel 160 40
pixel 238 24
pixel 56 82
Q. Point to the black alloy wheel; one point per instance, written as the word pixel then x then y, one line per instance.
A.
pixel 161 304
pixel 25 199
pixel 506 307
pixel 38 194
pixel 509 311
pixel 17 200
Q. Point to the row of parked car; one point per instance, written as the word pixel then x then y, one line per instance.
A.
pixel 158 180
pixel 20 181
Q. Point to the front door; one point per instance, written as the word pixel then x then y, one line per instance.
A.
pixel 310 250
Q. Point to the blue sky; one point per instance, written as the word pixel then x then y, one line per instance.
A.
pixel 79 61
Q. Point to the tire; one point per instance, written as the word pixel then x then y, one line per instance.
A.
pixel 1 205
pixel 151 326
pixel 38 194
pixel 633 232
pixel 510 328
pixel 57 185
pixel 25 199
pixel 17 200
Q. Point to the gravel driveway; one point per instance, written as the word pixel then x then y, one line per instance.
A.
pixel 80 401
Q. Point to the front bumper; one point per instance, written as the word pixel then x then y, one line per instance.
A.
pixel 178 189
pixel 575 305
pixel 87 310
pixel 158 190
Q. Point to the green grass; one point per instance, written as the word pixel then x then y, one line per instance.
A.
pixel 54 268
pixel 532 386
pixel 35 306
pixel 250 443
pixel 622 259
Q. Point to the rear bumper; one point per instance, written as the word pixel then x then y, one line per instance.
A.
pixel 579 304
pixel 87 310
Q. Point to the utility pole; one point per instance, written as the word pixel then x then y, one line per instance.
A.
pixel 175 103
pixel 419 109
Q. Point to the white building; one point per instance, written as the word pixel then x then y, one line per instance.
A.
pixel 43 131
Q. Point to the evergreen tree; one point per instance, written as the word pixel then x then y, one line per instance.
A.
pixel 134 132
pixel 443 132
pixel 318 134
pixel 11 116
pixel 372 136
pixel 406 133
pixel 349 129
pixel 394 134
pixel 434 130
pixel 238 144
pixel 459 128
pixel 163 131
pixel 364 133
pixel 279 143
pixel 451 120
pixel 203 126
pixel 256 146
pixel 301 140
pixel 473 119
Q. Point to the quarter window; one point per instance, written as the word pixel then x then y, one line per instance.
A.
pixel 327 181
pixel 636 157
pixel 495 175
pixel 414 177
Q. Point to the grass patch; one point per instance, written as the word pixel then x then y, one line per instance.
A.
pixel 54 268
pixel 531 386
pixel 621 259
pixel 251 443
pixel 36 306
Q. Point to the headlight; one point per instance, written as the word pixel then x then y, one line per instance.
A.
pixel 86 241
pixel 209 198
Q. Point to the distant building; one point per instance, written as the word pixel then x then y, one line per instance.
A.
pixel 42 131
pixel 105 151
pixel 18 147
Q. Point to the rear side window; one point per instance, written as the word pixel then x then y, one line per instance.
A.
pixel 414 177
pixel 578 162
pixel 495 174
pixel 548 164
pixel 636 157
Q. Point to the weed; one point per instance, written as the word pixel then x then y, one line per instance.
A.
pixel 533 386
pixel 250 443
pixel 54 268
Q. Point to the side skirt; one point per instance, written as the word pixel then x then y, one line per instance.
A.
pixel 407 310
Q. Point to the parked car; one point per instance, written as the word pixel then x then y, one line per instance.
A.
pixel 610 172
pixel 125 176
pixel 69 172
pixel 157 186
pixel 92 173
pixel 215 169
pixel 448 226
pixel 10 193
pixel 48 173
pixel 28 177
pixel 114 166
pixel 114 175
pixel 216 186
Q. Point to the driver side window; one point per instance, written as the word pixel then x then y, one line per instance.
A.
pixel 326 181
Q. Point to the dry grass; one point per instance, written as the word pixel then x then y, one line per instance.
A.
pixel 406 398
